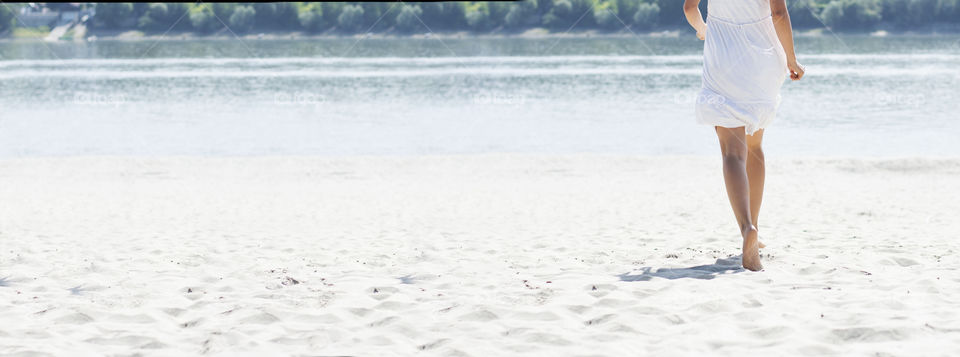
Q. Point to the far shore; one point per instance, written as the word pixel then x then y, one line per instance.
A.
pixel 135 35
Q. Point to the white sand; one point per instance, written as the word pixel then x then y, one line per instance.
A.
pixel 473 255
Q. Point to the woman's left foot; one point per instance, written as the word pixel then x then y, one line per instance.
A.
pixel 751 249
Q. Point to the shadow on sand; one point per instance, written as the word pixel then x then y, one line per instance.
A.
pixel 709 271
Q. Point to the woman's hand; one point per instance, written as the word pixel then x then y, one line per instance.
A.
pixel 691 9
pixel 796 70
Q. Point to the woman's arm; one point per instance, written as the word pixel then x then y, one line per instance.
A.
pixel 781 22
pixel 692 10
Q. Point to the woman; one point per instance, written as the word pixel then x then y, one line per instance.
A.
pixel 747 54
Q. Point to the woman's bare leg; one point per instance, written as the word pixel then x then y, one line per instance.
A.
pixel 755 174
pixel 733 146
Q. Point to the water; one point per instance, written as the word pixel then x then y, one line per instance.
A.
pixel 863 96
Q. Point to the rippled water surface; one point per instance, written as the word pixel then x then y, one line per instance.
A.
pixel 893 96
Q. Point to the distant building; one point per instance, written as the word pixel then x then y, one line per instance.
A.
pixel 53 14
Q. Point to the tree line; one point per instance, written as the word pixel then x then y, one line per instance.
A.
pixel 481 17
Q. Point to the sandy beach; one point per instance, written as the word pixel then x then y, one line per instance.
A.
pixel 481 255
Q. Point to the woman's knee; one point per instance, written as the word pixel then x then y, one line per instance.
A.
pixel 733 150
pixel 731 155
pixel 732 142
pixel 754 141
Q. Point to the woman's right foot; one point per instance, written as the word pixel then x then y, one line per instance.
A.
pixel 751 249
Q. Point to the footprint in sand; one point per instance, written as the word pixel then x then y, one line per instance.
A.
pixel 128 340
pixel 393 306
pixel 384 321
pixel 360 311
pixel 317 319
pixel 75 318
pixel 600 290
pixel 773 333
pixel 173 311
pixel 904 262
pixel 865 334
pixel 382 293
pixel 192 293
pixel 600 319
pixel 434 344
pixel 480 316
pixel 548 339
pixel 261 318
pixel 536 316
pixel 191 323
pixel 579 309
pixel 130 319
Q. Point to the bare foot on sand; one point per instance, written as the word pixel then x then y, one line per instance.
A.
pixel 751 249
pixel 762 245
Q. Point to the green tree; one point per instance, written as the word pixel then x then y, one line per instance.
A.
pixel 544 6
pixel 605 15
pixel 832 14
pixel 154 18
pixel 521 14
pixel 444 15
pixel 331 12
pixel 286 16
pixel 478 16
pixel 557 15
pixel 139 8
pixel 646 16
pixel 242 19
pixel 514 17
pixel 351 18
pixel 627 8
pixel 580 12
pixel 311 17
pixel 948 10
pixel 7 19
pixel 276 15
pixel 922 11
pixel 162 16
pixel 498 12
pixel 671 12
pixel 203 19
pixel 408 18
pixel 374 11
pixel 113 14
pixel 803 13
pixel 223 10
pixel 852 14
pixel 266 13
pixel 566 13
pixel 863 14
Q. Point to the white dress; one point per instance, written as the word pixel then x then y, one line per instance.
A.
pixel 744 66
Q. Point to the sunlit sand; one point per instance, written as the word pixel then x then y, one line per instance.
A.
pixel 488 255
